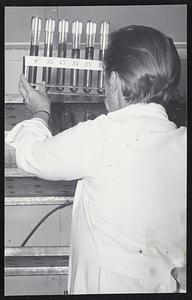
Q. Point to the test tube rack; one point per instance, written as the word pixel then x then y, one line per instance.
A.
pixel 74 59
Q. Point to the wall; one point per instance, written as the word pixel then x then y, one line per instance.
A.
pixel 171 19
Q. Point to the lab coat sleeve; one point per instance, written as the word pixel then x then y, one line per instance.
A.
pixel 60 157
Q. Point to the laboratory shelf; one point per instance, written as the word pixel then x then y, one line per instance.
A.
pixel 24 188
pixel 33 201
pixel 37 251
pixel 36 265
pixel 67 97
pixel 22 261
pixel 36 187
pixel 15 172
pixel 63 115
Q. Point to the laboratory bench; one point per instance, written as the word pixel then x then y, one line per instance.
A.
pixel 22 261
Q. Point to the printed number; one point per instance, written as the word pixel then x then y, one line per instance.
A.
pixel 62 62
pixel 50 61
pixel 36 60
pixel 75 64
pixel 87 64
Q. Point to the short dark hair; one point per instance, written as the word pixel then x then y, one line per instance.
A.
pixel 147 63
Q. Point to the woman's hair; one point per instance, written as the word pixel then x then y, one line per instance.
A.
pixel 147 63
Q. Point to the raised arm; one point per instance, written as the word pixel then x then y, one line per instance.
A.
pixel 61 157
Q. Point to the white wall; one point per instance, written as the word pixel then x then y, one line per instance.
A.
pixel 171 19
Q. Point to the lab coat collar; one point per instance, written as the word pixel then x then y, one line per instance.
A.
pixel 140 109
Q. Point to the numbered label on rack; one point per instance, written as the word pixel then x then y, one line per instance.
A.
pixel 67 63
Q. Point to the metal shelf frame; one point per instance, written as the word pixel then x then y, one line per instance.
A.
pixel 33 201
pixel 60 98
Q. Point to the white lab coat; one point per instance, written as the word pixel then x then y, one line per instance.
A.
pixel 129 213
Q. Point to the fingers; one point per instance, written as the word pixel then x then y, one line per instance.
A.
pixel 28 88
pixel 34 99
pixel 42 88
pixel 22 91
pixel 179 274
pixel 25 84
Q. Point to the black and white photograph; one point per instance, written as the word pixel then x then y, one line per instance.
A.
pixel 95 158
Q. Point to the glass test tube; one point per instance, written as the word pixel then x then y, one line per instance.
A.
pixel 48 47
pixel 87 116
pixel 34 46
pixel 76 40
pixel 89 54
pixel 104 32
pixel 65 120
pixel 62 49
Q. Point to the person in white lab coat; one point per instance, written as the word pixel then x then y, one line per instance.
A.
pixel 129 213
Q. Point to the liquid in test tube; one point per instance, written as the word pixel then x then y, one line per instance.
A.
pixel 34 46
pixel 89 53
pixel 62 49
pixel 48 47
pixel 76 40
pixel 104 32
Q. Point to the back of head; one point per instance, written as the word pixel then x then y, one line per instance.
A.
pixel 147 63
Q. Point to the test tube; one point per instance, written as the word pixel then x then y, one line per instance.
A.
pixel 76 40
pixel 89 53
pixel 62 49
pixel 104 32
pixel 65 120
pixel 48 47
pixel 87 116
pixel 34 46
